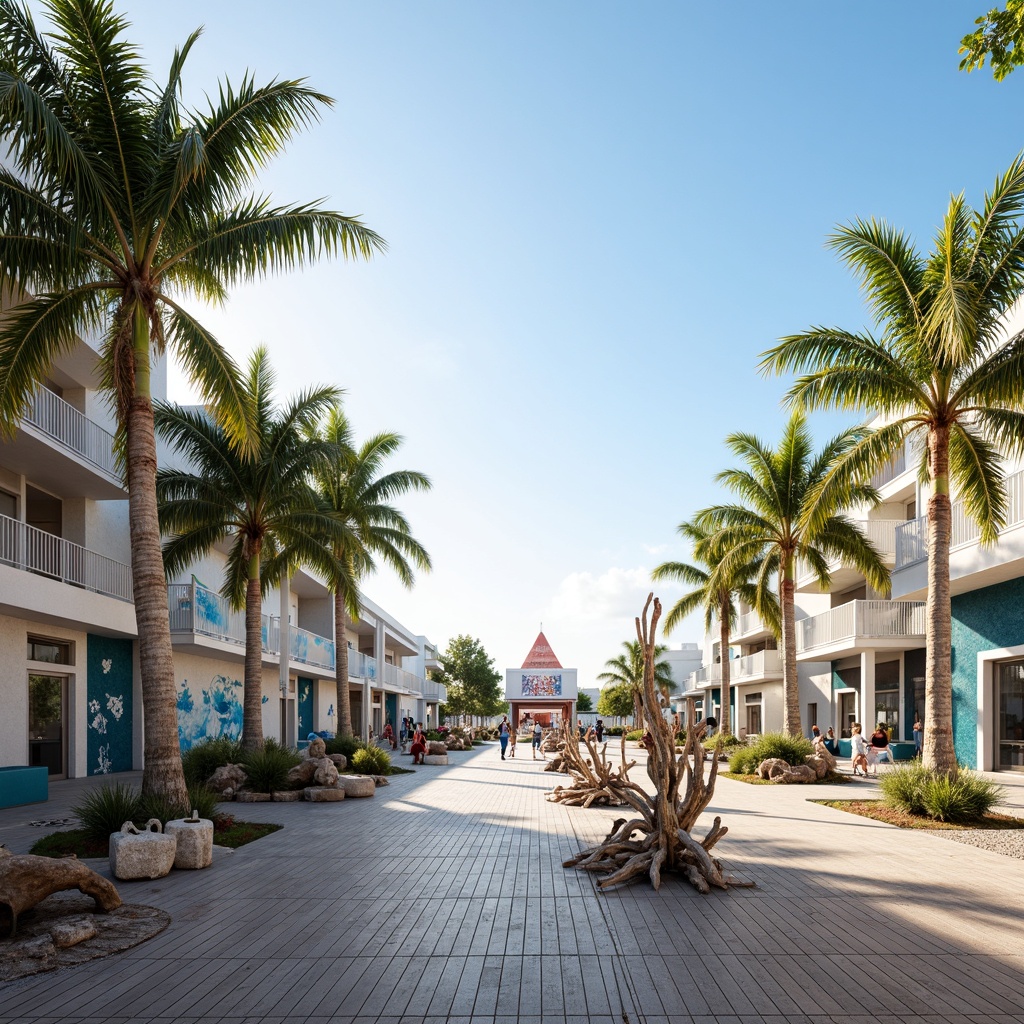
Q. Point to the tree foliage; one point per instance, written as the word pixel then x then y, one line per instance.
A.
pixel 617 701
pixel 584 703
pixel 474 684
pixel 999 38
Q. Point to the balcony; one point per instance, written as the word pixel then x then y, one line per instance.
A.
pixel 749 626
pixel 64 451
pixel 895 467
pixel 763 666
pixel 310 649
pixel 861 626
pixel 25 547
pixel 882 533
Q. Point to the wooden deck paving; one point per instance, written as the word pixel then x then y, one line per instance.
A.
pixel 443 899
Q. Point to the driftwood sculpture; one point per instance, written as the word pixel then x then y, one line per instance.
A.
pixel 595 780
pixel 665 819
pixel 26 880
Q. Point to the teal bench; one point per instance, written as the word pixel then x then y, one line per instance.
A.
pixel 20 784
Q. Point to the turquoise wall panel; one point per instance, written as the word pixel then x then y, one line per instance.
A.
pixel 982 620
pixel 305 707
pixel 109 681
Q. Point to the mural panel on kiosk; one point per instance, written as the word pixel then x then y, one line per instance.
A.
pixel 109 672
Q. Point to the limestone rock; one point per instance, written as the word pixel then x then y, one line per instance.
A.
pixel 436 747
pixel 228 778
pixel 776 769
pixel 145 854
pixel 246 796
pixel 326 773
pixel 302 773
pixel 324 794
pixel 340 760
pixel 25 880
pixel 285 796
pixel 316 749
pixel 357 785
pixel 435 758
pixel 72 931
pixel 195 841
pixel 818 764
pixel 381 780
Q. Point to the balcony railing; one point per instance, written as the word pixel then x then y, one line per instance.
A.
pixel 912 536
pixel 310 649
pixel 877 620
pixel 65 424
pixel 26 547
pixel 755 666
pixel 896 466
pixel 749 622
pixel 881 533
pixel 195 609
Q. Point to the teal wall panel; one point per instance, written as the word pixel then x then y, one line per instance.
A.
pixel 305 707
pixel 109 681
pixel 983 619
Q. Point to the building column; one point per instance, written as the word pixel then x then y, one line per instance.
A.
pixel 868 715
pixel 289 706
pixel 378 657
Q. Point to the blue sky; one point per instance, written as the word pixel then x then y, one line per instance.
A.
pixel 599 214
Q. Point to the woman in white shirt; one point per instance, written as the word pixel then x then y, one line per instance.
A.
pixel 858 750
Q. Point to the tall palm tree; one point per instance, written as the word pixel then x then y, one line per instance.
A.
pixel 716 594
pixel 258 499
pixel 942 369
pixel 355 492
pixel 791 507
pixel 116 204
pixel 627 669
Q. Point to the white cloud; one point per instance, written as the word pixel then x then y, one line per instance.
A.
pixel 617 594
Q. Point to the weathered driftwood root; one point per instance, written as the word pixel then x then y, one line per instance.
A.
pixel 26 880
pixel 775 769
pixel 595 780
pixel 659 839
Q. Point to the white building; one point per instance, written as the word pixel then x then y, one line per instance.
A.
pixel 69 677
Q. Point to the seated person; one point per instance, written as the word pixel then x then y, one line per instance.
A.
pixel 831 743
pixel 419 745
pixel 878 748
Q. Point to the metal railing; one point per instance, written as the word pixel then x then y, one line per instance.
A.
pixel 867 619
pixel 311 649
pixel 361 666
pixel 896 466
pixel 912 536
pixel 755 666
pixel 36 551
pixel 883 535
pixel 63 423
pixel 749 622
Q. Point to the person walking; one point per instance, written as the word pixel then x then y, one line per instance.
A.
pixel 538 735
pixel 599 730
pixel 918 736
pixel 512 738
pixel 858 750
pixel 503 731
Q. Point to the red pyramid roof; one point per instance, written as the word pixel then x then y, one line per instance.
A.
pixel 541 655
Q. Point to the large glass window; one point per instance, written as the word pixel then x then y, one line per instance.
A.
pixel 53 652
pixel 1010 716
pixel 887 698
pixel 46 701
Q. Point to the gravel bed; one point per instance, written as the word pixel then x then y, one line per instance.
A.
pixel 1009 842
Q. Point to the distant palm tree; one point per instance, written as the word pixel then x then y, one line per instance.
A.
pixel 115 203
pixel 356 494
pixel 258 500
pixel 627 669
pixel 715 593
pixel 791 507
pixel 942 370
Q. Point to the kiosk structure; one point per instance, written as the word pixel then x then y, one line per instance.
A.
pixel 541 688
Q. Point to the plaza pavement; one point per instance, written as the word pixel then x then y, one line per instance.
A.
pixel 443 899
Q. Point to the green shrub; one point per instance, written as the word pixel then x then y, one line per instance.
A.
pixel 962 798
pixel 346 745
pixel 614 730
pixel 202 760
pixel 371 761
pixel 791 749
pixel 106 809
pixel 635 735
pixel 268 767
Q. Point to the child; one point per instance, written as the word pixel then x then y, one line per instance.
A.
pixel 512 743
pixel 858 750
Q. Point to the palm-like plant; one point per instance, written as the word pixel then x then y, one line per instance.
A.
pixel 116 205
pixel 791 507
pixel 354 491
pixel 715 593
pixel 941 369
pixel 627 670
pixel 256 498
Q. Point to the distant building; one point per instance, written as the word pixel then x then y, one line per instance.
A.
pixel 540 687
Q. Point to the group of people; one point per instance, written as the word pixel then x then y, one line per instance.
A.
pixel 507 738
pixel 866 753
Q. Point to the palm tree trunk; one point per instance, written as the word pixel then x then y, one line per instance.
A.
pixel 343 698
pixel 723 642
pixel 939 752
pixel 162 774
pixel 252 694
pixel 790 678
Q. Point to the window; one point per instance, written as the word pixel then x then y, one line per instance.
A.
pixel 912 509
pixel 53 652
pixel 812 714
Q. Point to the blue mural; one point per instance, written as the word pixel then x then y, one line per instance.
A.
pixel 215 710
pixel 109 678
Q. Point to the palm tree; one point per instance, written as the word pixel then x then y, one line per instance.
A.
pixel 114 205
pixel 257 498
pixel 356 494
pixel 790 507
pixel 942 370
pixel 627 669
pixel 715 593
